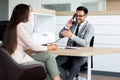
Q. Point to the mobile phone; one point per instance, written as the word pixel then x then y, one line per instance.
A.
pixel 66 29
pixel 73 18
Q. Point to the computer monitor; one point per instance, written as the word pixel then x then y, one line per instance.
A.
pixel 3 25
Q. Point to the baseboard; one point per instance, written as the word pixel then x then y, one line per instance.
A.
pixel 106 73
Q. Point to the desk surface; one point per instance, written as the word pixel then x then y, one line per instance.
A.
pixel 86 51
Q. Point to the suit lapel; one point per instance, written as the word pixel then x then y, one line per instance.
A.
pixel 83 28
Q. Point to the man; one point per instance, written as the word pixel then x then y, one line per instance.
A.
pixel 79 34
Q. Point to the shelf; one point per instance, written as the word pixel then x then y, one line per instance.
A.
pixel 42 11
pixel 42 25
pixel 43 14
pixel 91 13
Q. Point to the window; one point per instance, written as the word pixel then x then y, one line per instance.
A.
pixel 91 6
pixel 57 7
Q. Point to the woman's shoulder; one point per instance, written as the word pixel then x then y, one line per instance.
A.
pixel 21 25
pixel 21 28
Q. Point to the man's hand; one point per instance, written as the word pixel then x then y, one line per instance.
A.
pixel 69 23
pixel 67 33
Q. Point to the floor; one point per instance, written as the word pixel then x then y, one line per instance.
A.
pixel 100 77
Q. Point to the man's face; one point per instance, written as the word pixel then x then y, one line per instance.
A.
pixel 80 16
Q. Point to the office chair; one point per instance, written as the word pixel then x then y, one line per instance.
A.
pixel 84 67
pixel 11 70
pixel 3 25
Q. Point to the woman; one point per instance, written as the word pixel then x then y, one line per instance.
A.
pixel 18 42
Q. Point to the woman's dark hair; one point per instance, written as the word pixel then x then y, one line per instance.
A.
pixel 19 14
pixel 82 8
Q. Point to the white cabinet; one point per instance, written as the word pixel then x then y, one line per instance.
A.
pixel 42 25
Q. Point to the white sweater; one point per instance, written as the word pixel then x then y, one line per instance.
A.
pixel 25 42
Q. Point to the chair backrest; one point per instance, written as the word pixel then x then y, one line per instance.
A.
pixel 91 42
pixel 3 25
pixel 84 66
pixel 11 70
pixel 10 66
pixel 2 70
pixel 91 45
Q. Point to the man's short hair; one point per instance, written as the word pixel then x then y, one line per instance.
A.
pixel 82 8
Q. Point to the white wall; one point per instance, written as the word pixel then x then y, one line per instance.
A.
pixel 107 34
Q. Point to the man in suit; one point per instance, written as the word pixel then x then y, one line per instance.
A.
pixel 79 34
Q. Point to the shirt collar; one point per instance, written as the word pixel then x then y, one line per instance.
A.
pixel 82 23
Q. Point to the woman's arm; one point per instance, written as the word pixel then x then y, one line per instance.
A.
pixel 24 36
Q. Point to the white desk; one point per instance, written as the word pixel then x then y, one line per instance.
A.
pixel 86 51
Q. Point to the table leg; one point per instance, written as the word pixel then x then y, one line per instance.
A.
pixel 89 68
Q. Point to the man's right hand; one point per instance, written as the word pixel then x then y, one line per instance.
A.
pixel 69 23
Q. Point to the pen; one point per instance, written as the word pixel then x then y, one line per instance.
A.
pixel 56 40
pixel 52 42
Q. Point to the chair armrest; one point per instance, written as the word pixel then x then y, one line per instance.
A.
pixel 11 70
pixel 33 72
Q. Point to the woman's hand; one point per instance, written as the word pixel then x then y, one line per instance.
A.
pixel 52 47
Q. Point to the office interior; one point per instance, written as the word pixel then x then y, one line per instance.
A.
pixel 103 14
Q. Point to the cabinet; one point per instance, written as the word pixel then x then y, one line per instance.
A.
pixel 42 25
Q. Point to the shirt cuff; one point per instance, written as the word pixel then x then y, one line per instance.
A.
pixel 66 27
pixel 72 36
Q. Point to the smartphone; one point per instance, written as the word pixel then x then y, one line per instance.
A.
pixel 73 18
